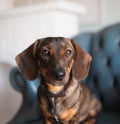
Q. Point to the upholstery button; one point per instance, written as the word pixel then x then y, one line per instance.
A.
pixel 108 62
pixel 119 44
pixel 101 43
pixel 115 82
pixel 95 80
pixel 118 41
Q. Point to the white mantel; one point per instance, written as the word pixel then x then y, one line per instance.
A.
pixel 21 26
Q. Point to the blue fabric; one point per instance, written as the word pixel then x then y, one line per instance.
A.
pixel 85 41
pixel 105 68
pixel 108 118
pixel 29 111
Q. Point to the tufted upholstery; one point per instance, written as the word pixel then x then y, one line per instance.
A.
pixel 103 79
pixel 29 112
pixel 105 72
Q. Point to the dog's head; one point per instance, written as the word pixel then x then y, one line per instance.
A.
pixel 56 59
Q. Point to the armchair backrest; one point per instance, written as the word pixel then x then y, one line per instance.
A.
pixel 104 76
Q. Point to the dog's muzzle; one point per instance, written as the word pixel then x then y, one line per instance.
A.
pixel 59 74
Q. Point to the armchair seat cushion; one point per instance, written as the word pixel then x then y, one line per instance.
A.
pixel 108 118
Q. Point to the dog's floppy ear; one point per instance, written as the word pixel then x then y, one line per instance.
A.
pixel 81 63
pixel 27 62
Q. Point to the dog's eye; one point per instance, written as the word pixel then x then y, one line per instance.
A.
pixel 45 52
pixel 68 52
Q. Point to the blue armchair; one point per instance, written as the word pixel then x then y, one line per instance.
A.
pixel 103 79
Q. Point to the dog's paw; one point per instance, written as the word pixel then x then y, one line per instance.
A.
pixel 90 121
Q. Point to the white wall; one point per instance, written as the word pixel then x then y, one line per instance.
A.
pixel 10 100
pixel 110 11
pixel 109 14
pixel 6 4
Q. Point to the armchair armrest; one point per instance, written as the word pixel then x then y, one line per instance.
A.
pixel 29 111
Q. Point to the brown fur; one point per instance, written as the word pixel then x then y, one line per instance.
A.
pixel 63 98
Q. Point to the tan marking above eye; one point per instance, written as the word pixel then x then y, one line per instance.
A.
pixel 46 52
pixel 66 51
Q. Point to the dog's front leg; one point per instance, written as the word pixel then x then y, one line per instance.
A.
pixel 90 121
pixel 75 120
pixel 46 121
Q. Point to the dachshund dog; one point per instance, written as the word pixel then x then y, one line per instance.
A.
pixel 62 63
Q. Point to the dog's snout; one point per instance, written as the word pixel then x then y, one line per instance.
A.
pixel 59 74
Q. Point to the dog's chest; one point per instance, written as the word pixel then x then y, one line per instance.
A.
pixel 54 110
pixel 64 109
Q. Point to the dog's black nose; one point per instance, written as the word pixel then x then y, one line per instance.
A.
pixel 59 74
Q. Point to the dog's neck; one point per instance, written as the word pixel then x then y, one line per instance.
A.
pixel 62 92
pixel 71 87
